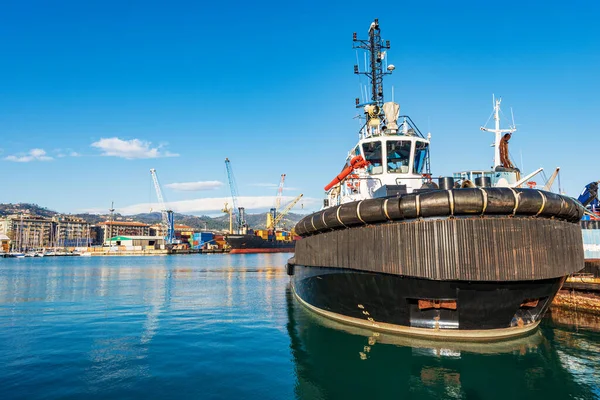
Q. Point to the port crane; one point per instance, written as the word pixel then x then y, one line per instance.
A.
pixel 286 210
pixel 168 219
pixel 229 211
pixel 589 196
pixel 550 182
pixel 238 212
pixel 272 214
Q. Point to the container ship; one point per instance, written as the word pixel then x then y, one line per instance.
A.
pixel 393 251
pixel 270 240
pixel 261 241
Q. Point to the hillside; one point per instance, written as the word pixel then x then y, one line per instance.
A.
pixel 256 221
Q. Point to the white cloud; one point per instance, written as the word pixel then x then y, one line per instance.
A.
pixel 62 153
pixel 33 155
pixel 130 149
pixel 195 186
pixel 216 204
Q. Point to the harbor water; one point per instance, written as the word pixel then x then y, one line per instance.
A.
pixel 228 327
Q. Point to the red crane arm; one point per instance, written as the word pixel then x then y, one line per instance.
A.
pixel 356 163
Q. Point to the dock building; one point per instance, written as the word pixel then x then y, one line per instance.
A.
pixel 109 229
pixel 131 242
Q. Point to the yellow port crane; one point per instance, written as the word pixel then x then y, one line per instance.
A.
pixel 229 210
pixel 283 212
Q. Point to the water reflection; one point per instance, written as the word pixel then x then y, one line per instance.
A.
pixel 575 319
pixel 336 361
pixel 106 325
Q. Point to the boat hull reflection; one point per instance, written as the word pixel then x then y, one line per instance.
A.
pixel 335 360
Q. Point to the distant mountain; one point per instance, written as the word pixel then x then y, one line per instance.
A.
pixel 256 221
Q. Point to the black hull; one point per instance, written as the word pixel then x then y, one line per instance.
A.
pixel 484 310
pixel 256 244
pixel 339 361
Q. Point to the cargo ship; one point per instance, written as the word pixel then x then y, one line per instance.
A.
pixel 270 240
pixel 261 241
pixel 393 251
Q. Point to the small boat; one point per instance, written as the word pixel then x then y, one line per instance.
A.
pixel 16 254
pixel 393 251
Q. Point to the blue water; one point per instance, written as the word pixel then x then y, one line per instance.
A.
pixel 227 327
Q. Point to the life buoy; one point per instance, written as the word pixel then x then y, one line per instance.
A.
pixel 352 182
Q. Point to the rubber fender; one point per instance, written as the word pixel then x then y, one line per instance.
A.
pixel 500 201
pixel 371 210
pixel 553 206
pixel 391 209
pixel 572 210
pixel 330 218
pixel 435 203
pixel 347 214
pixel 301 226
pixel 408 206
pixel 312 226
pixel 298 227
pixel 530 201
pixel 318 221
pixel 467 201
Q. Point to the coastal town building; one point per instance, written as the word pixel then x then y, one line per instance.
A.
pixel 29 231
pixel 4 243
pixel 109 229
pixel 70 231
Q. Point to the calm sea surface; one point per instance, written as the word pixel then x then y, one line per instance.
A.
pixel 227 327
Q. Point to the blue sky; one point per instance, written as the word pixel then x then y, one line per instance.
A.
pixel 94 94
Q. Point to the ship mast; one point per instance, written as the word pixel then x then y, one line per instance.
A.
pixel 499 132
pixel 375 46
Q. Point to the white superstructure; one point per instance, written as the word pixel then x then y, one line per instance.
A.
pixel 392 155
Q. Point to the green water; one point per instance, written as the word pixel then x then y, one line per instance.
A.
pixel 228 327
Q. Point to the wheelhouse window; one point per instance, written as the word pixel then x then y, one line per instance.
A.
pixel 398 156
pixel 421 153
pixel 372 151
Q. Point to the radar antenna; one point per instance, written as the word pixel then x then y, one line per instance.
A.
pixel 376 47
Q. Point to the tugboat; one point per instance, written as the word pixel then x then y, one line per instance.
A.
pixel 392 251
